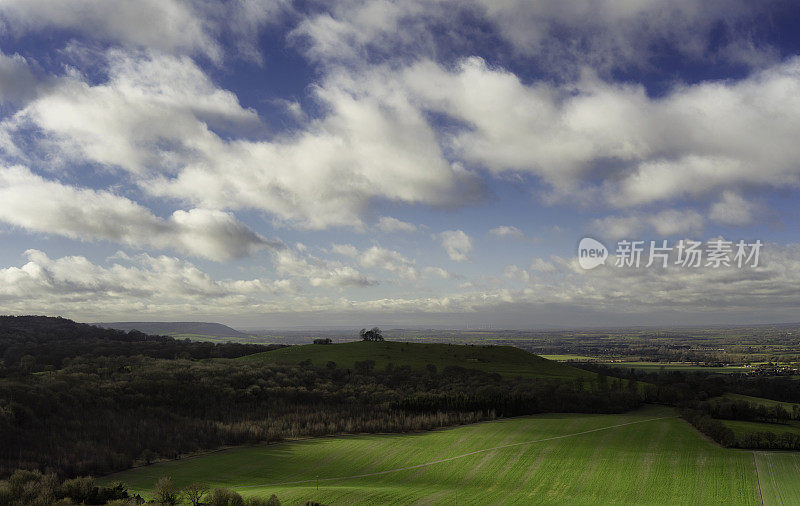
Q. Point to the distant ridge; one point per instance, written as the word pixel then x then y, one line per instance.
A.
pixel 175 328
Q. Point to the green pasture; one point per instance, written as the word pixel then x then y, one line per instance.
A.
pixel 506 360
pixel 643 457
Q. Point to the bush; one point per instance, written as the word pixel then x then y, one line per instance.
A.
pixel 78 489
pixel 272 501
pixel 225 497
pixel 166 492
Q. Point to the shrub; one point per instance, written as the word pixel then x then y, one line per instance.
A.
pixel 166 492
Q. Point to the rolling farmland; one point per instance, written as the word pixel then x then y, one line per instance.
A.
pixel 644 457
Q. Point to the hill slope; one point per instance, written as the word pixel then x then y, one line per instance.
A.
pixel 633 458
pixel 505 360
pixel 176 328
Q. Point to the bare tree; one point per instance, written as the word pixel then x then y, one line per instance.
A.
pixel 195 492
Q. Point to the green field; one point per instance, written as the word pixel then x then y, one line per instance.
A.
pixel 568 358
pixel 505 360
pixel 788 406
pixel 741 427
pixel 643 457
pixel 779 476
pixel 657 366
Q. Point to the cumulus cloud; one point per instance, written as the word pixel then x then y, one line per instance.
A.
pixel 144 119
pixel 507 231
pixel 669 222
pixel 559 36
pixel 389 225
pixel 392 261
pixel 45 206
pixel 319 272
pixel 169 286
pixel 457 244
pixel 192 27
pixel 347 250
pixel 142 283
pixel 170 25
pixel 696 140
pixel 732 209
pixel 159 118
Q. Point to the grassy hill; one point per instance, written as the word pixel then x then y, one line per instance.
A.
pixel 178 329
pixel 643 457
pixel 505 360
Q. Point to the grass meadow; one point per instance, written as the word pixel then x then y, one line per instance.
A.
pixel 504 360
pixel 643 457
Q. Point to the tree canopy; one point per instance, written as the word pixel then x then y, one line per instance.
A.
pixel 373 334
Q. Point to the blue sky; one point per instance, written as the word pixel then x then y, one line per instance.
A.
pixel 269 163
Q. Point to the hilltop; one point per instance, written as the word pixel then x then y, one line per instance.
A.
pixel 177 329
pixel 39 343
pixel 505 360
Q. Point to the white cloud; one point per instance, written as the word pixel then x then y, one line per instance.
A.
pixel 149 284
pixel 673 221
pixel 616 226
pixel 541 265
pixel 616 34
pixel 145 119
pixel 39 205
pixel 439 273
pixel 507 231
pixel 457 244
pixel 666 223
pixel 389 224
pixel 347 250
pixel 169 25
pixel 696 140
pixel 157 118
pixel 168 286
pixel 390 260
pixel 558 36
pixel 514 273
pixel 733 210
pixel 320 272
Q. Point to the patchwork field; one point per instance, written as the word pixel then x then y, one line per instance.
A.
pixel 643 457
pixel 505 360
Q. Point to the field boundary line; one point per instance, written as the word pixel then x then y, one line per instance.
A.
pixel 448 459
pixel 758 479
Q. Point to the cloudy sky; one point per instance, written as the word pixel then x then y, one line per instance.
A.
pixel 411 163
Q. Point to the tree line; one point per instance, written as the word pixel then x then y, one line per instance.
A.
pixel 37 343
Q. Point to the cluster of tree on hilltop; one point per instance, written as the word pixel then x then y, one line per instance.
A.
pixel 38 343
pixel 373 334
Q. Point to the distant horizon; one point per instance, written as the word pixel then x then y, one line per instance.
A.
pixel 389 327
